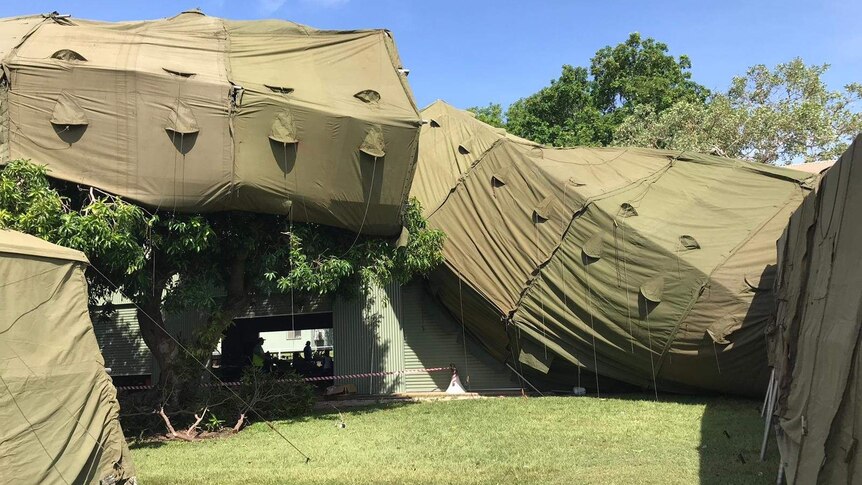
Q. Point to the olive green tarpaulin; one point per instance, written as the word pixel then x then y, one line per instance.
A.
pixel 815 346
pixel 198 113
pixel 58 407
pixel 641 265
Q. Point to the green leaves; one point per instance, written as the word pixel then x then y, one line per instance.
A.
pixel 324 260
pixel 215 264
pixel 584 107
pixel 774 115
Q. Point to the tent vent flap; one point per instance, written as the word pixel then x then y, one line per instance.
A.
pixel 67 112
pixel 369 96
pixel 688 242
pixel 67 55
pixel 283 129
pixel 373 144
pixel 652 290
pixel 182 120
pixel 594 246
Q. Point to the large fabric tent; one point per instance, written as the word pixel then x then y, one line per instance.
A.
pixel 815 345
pixel 198 113
pixel 649 267
pixel 57 404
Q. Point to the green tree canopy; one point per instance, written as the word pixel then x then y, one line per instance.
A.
pixel 491 114
pixel 584 107
pixel 215 263
pixel 768 115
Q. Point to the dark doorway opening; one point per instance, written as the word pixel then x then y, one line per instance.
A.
pixel 240 340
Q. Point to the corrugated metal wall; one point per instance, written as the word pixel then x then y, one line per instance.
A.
pixel 121 343
pixel 367 337
pixel 432 338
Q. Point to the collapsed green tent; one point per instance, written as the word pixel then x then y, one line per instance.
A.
pixel 816 342
pixel 198 113
pixel 58 407
pixel 649 267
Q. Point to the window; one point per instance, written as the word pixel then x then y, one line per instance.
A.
pixel 293 334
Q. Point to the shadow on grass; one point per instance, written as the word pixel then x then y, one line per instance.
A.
pixel 144 445
pixel 332 409
pixel 731 435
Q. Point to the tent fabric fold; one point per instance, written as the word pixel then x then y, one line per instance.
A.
pixel 815 340
pixel 57 404
pixel 224 82
pixel 610 263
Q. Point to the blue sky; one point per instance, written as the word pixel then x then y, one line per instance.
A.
pixel 476 52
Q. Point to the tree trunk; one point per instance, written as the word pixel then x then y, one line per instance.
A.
pixel 163 347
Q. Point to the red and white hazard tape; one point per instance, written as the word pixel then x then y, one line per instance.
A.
pixel 313 379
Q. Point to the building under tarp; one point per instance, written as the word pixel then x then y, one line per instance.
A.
pixel 649 267
pixel 58 407
pixel 388 330
pixel 815 345
pixel 197 113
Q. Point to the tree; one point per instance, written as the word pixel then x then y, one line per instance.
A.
pixel 562 114
pixel 491 114
pixel 775 116
pixel 216 263
pixel 584 107
pixel 640 72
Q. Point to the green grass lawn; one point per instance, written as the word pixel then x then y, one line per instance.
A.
pixel 511 440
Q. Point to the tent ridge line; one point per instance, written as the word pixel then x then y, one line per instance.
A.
pixel 464 176
pixel 575 215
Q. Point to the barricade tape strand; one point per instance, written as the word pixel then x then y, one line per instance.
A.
pixel 310 379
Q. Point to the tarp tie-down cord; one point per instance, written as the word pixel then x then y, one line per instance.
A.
pixel 290 251
pixel 202 365
pixel 625 275
pixel 463 330
pixel 541 281
pixel 69 412
pixel 566 280
pixel 649 337
pixel 174 141
pixel 592 327
pixel 367 204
